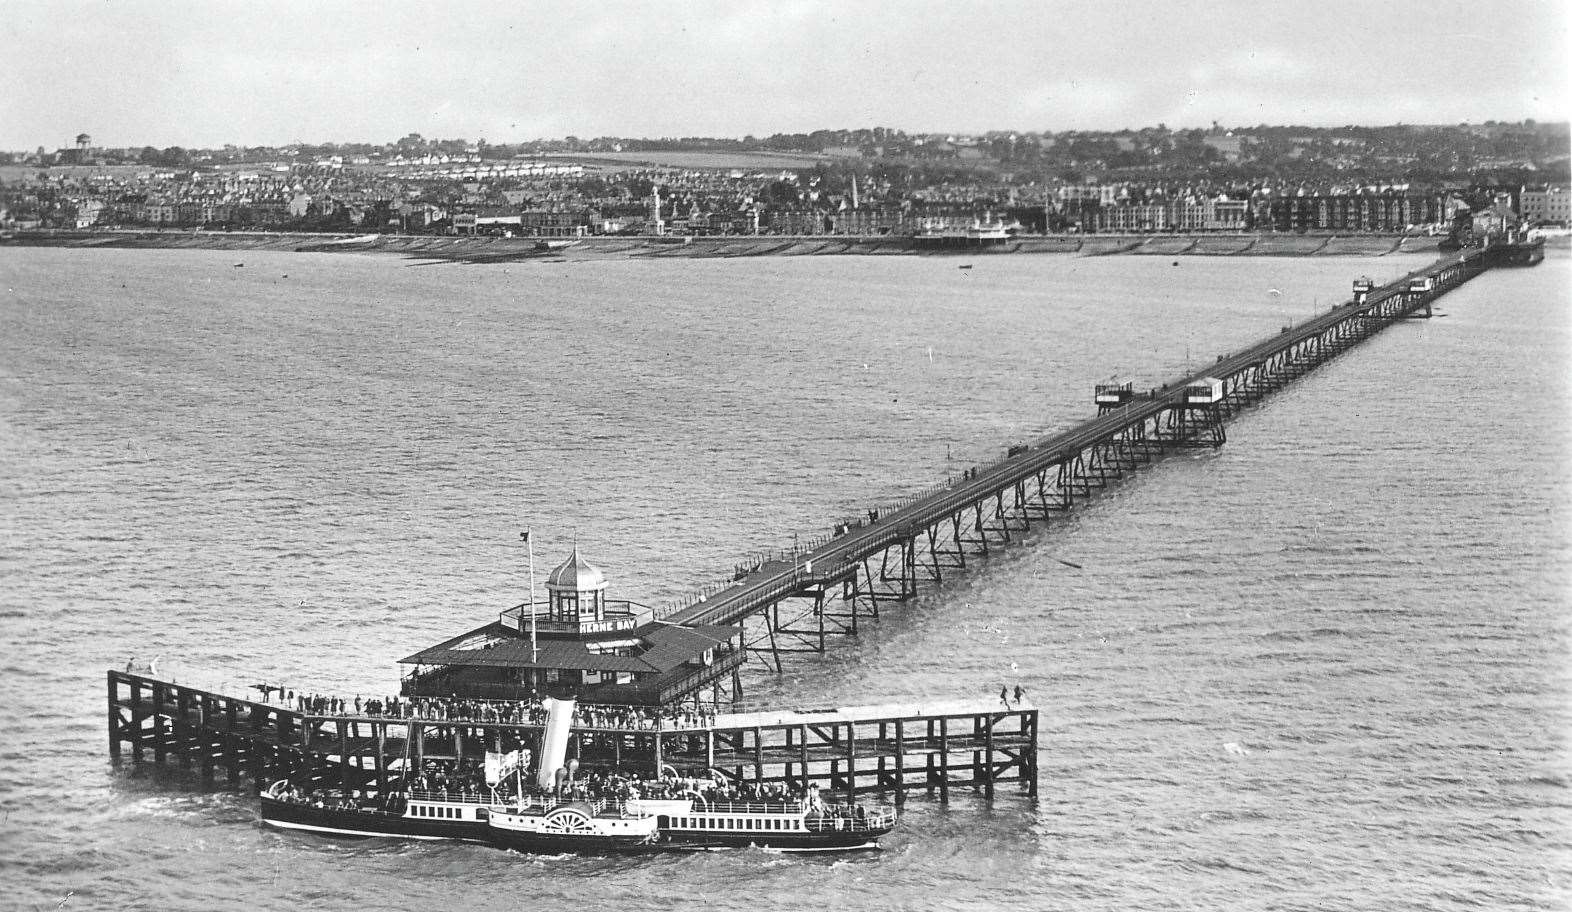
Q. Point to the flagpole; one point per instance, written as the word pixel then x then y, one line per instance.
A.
pixel 534 650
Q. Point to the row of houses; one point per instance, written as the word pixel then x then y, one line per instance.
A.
pixel 263 211
pixel 1202 215
pixel 1289 214
pixel 714 201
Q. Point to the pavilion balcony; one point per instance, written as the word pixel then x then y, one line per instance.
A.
pixel 617 616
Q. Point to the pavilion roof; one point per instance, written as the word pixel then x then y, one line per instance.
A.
pixel 662 647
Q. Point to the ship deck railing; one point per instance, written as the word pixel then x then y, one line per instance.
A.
pixel 878 819
pixel 447 796
pixel 332 803
pixel 747 807
pixel 542 804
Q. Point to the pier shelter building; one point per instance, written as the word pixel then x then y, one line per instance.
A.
pixel 584 646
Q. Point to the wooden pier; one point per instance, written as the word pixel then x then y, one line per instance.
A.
pixel 791 602
pixel 896 749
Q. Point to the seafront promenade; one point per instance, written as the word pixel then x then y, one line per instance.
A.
pixel 484 249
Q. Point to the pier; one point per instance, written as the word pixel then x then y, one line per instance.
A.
pixel 793 601
pixel 931 747
pixel 470 702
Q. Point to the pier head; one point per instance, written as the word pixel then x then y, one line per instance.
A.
pixel 648 696
pixel 377 748
pixel 580 645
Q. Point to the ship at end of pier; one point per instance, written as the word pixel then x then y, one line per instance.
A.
pixel 545 806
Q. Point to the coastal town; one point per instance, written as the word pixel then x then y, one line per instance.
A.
pixel 886 456
pixel 857 183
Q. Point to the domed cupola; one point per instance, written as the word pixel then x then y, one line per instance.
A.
pixel 577 590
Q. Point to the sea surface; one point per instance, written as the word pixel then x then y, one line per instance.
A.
pixel 1324 666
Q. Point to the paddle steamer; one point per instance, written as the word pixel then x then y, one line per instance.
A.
pixel 602 825
pixel 544 807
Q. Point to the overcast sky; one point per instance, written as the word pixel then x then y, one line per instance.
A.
pixel 255 72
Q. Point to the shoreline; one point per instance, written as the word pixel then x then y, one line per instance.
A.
pixel 478 250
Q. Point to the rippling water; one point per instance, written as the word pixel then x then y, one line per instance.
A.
pixel 1322 667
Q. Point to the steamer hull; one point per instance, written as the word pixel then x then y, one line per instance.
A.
pixel 838 842
pixel 364 822
pixel 578 827
pixel 559 843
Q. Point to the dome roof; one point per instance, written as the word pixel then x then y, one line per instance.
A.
pixel 576 574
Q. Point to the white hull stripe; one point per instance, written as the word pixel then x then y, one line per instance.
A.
pixel 797 849
pixel 342 832
pixel 866 846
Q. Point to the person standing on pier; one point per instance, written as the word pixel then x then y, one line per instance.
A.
pixel 1019 693
pixel 1004 696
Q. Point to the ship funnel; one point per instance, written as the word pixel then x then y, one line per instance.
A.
pixel 554 744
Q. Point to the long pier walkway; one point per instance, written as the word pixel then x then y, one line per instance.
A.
pixel 791 603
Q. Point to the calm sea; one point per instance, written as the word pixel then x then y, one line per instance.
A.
pixel 1322 667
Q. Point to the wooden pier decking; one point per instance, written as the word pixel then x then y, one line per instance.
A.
pixel 893 748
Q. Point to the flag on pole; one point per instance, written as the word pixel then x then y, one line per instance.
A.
pixel 524 535
pixel 500 766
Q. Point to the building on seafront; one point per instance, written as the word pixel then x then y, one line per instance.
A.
pixel 1546 205
pixel 580 644
pixel 1384 212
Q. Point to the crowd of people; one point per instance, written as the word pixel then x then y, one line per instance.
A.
pixel 318 798
pixel 639 718
pixel 706 794
pixel 525 712
pixel 467 780
pixel 530 711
